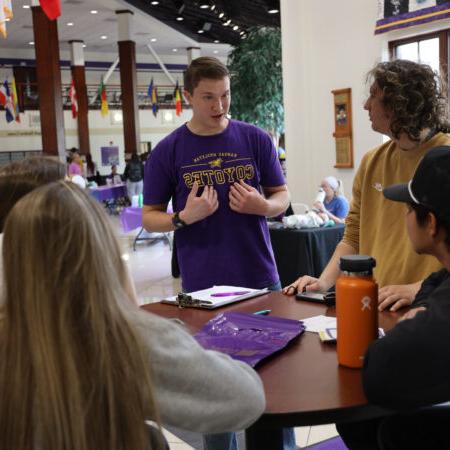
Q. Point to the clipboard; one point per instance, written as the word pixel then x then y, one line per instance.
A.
pixel 214 297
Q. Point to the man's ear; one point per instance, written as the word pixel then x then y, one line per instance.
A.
pixel 188 96
pixel 432 226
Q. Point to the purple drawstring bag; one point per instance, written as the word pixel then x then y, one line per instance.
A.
pixel 248 337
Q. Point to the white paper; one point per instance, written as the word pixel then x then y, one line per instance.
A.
pixel 319 323
pixel 210 301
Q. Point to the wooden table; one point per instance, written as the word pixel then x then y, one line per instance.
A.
pixel 304 384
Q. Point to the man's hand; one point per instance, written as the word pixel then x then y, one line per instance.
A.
pixel 306 283
pixel 396 296
pixel 412 313
pixel 197 208
pixel 246 199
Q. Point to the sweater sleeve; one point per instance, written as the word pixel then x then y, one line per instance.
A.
pixel 196 389
pixel 352 222
pixel 409 367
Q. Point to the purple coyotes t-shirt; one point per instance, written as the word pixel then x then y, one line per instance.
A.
pixel 227 247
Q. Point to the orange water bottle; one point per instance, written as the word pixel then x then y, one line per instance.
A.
pixel 356 309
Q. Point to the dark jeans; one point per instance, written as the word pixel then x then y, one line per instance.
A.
pixel 426 429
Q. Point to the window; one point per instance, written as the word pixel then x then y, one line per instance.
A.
pixel 431 49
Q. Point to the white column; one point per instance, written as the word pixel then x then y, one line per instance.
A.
pixel 76 53
pixel 193 53
pixel 124 25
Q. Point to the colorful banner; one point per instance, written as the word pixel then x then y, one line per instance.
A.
pixel 398 14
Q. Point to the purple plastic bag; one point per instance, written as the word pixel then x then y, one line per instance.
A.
pixel 248 337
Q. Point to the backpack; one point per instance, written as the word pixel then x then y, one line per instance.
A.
pixel 135 172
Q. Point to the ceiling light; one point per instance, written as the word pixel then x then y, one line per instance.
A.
pixel 273 6
pixel 70 24
pixel 227 22
pixel 31 43
pixel 155 2
pixel 103 37
pixel 179 18
pixel 200 31
pixel 221 15
pixel 273 11
pixel 153 40
pixel 84 45
pixel 235 28
pixel 213 7
pixel 216 41
pixel 216 51
pixel 204 4
pixel 242 33
pixel 26 6
pixel 174 49
pixel 94 11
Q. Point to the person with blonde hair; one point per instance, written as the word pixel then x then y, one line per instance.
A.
pixel 332 205
pixel 82 367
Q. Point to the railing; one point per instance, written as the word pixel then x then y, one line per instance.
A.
pixel 29 97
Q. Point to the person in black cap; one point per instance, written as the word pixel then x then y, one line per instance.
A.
pixel 410 367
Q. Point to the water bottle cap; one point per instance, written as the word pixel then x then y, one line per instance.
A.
pixel 357 263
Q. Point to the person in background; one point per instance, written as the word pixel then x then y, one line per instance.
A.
pixel 409 368
pixel 75 165
pixel 134 176
pixel 224 180
pixel 407 104
pixel 91 169
pixel 114 177
pixel 335 205
pixel 68 324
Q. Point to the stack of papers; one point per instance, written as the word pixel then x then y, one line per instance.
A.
pixel 326 327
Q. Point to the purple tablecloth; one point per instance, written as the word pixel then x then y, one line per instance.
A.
pixel 109 192
pixel 131 218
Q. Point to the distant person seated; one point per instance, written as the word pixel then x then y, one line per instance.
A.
pixel 113 177
pixel 334 205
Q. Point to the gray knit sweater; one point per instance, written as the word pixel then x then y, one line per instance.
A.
pixel 196 389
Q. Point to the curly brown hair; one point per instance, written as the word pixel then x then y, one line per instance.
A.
pixel 414 94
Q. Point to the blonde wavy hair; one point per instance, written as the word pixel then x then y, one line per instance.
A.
pixel 74 375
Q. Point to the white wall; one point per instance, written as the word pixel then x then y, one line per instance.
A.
pixel 326 46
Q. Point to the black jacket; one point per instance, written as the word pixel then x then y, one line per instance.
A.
pixel 410 366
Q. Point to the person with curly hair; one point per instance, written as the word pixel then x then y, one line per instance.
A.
pixel 406 103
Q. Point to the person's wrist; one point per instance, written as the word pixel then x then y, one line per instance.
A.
pixel 185 217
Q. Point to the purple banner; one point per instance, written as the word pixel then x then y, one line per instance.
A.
pixel 398 14
pixel 110 156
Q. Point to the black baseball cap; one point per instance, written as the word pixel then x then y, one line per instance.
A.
pixel 430 185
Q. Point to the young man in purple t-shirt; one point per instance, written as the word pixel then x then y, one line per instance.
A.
pixel 224 179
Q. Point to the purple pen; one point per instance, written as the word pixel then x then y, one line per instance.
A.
pixel 228 294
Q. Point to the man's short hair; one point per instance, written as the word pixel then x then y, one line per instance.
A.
pixel 414 94
pixel 203 67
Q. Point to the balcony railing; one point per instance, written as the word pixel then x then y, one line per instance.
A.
pixel 29 97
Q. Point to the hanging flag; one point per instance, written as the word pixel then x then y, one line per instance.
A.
pixel 15 100
pixel 3 95
pixel 104 99
pixel 178 105
pixel 9 106
pixel 73 100
pixel 153 98
pixel 5 15
pixel 51 8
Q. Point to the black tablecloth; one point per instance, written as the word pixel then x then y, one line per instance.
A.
pixel 303 252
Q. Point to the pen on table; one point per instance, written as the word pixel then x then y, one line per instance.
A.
pixel 264 312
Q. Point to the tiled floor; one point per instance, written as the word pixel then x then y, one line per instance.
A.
pixel 150 268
